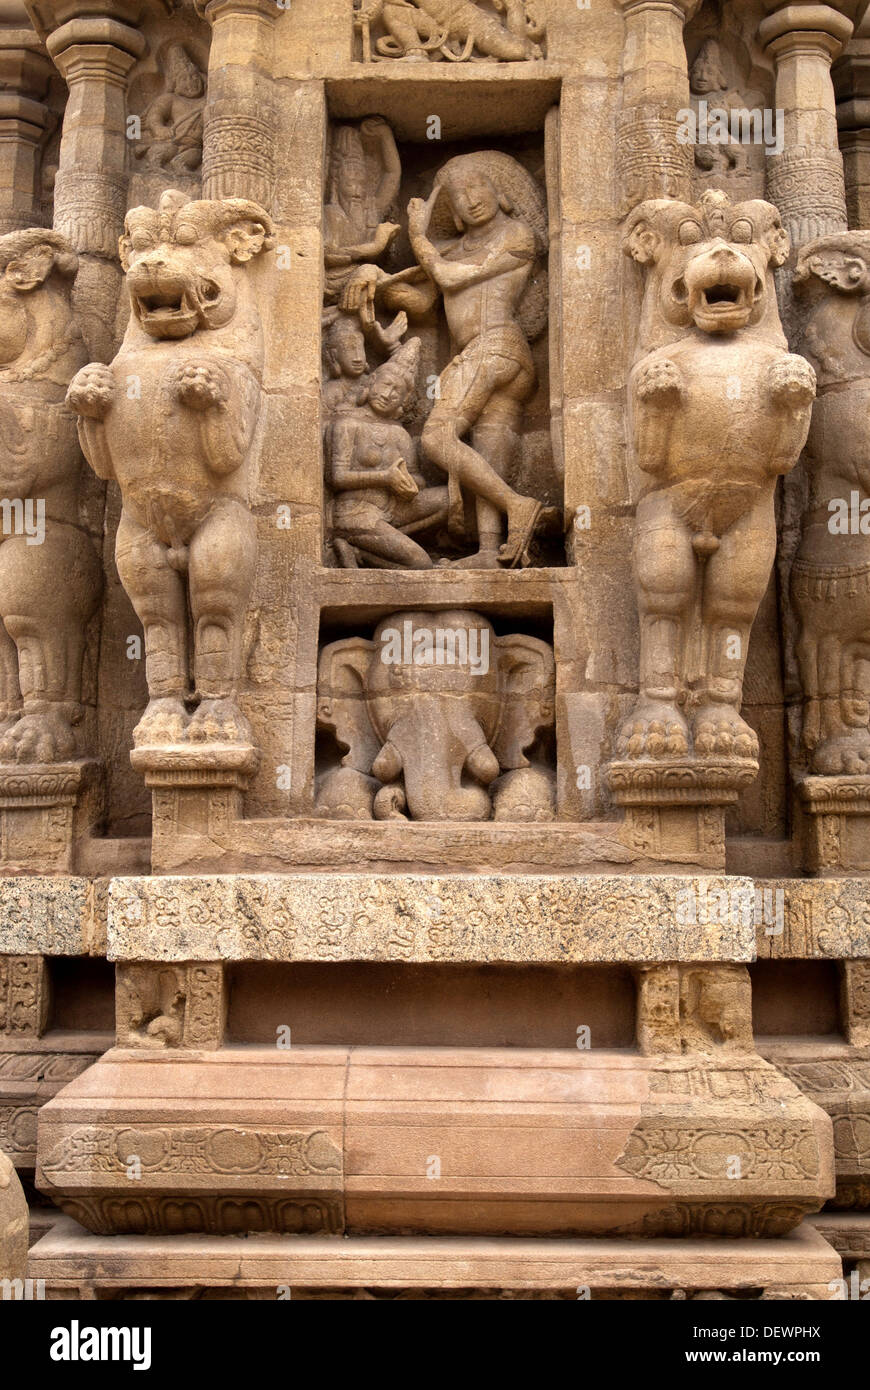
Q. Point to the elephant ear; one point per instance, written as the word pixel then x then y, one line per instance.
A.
pixel 527 685
pixel 342 675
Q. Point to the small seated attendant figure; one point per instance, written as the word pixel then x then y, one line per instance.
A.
pixel 379 493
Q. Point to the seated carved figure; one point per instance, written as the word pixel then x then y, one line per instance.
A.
pixel 380 495
pixel 50 575
pixel 172 418
pixel 172 124
pixel 719 409
pixel 831 575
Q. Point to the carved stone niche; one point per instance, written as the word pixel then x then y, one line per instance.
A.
pixel 172 419
pixel 162 1005
pixel 50 795
pixel 441 719
pixel 830 578
pixel 168 94
pixel 718 410
pixel 730 92
pixel 456 31
pixel 437 445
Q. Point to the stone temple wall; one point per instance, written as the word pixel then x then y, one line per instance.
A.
pixel 435 647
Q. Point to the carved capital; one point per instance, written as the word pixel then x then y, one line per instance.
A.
pixel 819 28
pixel 97 48
pixel 216 10
pixel 684 10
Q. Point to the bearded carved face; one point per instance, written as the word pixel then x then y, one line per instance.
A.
pixel 182 261
pixel 708 264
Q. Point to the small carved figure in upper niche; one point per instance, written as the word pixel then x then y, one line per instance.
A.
pixel 50 574
pixel 481 238
pixel 380 495
pixel 457 30
pixel 719 409
pixel 173 122
pixel 179 446
pixel 830 579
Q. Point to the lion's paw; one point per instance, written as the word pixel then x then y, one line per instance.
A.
pixel 843 754
pixel 92 391
pixel 792 381
pixel 46 737
pixel 164 721
pixel 720 732
pixel 659 382
pixel 200 386
pixel 654 729
pixel 219 721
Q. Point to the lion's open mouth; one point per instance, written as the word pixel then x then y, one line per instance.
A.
pixel 722 294
pixel 162 305
pixel 167 313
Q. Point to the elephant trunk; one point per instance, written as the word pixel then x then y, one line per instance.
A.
pixel 439 747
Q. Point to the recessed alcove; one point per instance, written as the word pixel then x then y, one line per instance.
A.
pixel 375 1004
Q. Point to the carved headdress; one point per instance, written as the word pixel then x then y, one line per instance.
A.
pixel 406 360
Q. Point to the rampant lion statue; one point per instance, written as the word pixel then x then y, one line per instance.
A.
pixel 50 575
pixel 172 418
pixel 719 409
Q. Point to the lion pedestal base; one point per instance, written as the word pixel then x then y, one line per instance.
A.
pixel 76 1264
pixel 675 810
pixel 46 811
pixel 436 1140
pixel 196 791
pixel 837 823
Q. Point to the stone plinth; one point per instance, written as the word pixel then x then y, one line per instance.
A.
pixel 196 791
pixel 77 1264
pixel 839 1081
pixel 434 1140
pixel 837 815
pixel 46 811
pixel 675 810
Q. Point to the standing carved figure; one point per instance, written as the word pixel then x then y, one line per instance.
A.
pixel 483 268
pixel 50 575
pixel 831 575
pixel 719 409
pixel 172 418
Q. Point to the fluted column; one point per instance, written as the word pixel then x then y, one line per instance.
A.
pixel 238 154
pixel 25 72
pixel 806 180
pixel 652 162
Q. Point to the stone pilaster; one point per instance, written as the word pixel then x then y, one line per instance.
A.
pixel 238 157
pixel 805 180
pixel 651 161
pixel 25 121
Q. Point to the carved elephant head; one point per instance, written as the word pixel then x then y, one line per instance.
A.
pixel 432 710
